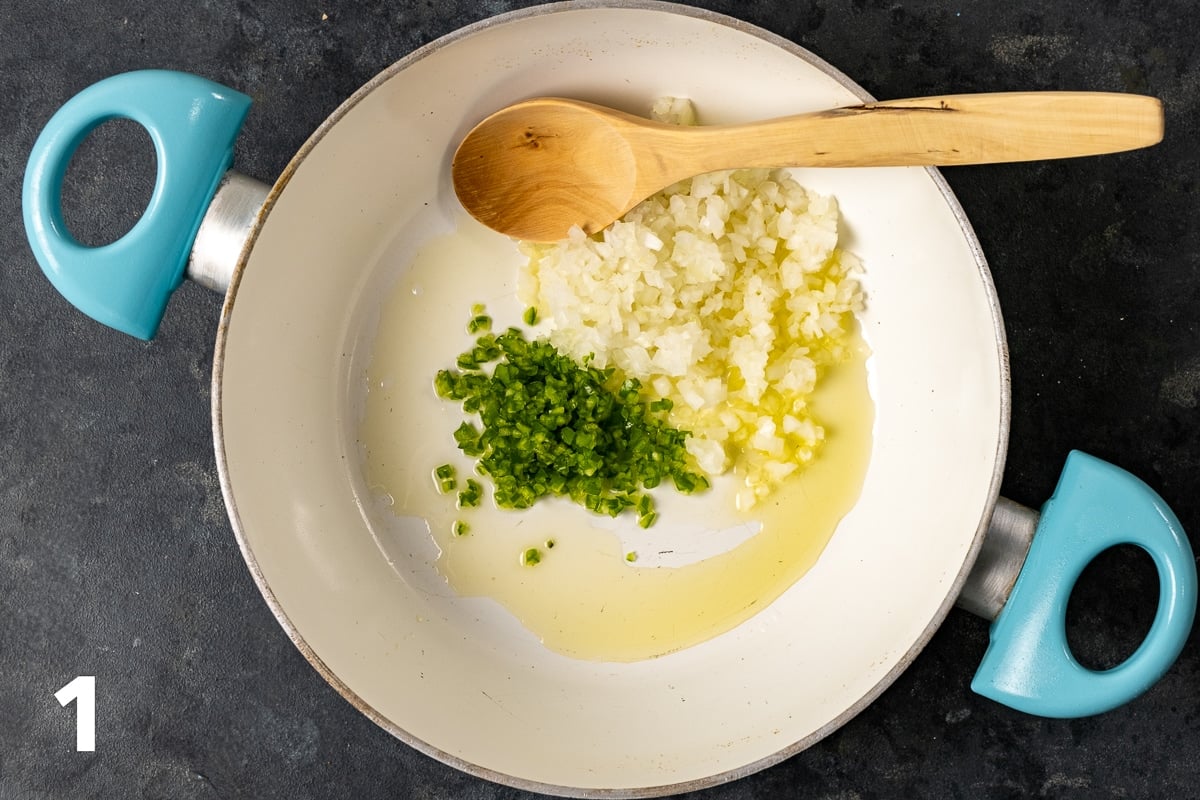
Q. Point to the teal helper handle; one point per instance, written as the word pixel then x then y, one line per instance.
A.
pixel 1028 664
pixel 192 123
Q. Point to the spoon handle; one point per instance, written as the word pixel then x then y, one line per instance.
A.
pixel 932 131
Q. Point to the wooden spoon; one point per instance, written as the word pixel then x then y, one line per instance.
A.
pixel 536 168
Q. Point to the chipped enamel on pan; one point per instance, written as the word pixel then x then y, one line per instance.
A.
pixel 458 678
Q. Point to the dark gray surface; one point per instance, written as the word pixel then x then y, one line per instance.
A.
pixel 116 559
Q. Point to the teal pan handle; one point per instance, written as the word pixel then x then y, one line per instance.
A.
pixel 192 123
pixel 1028 664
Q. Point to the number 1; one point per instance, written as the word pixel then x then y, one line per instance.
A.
pixel 82 690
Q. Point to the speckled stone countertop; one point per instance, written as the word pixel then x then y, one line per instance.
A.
pixel 117 559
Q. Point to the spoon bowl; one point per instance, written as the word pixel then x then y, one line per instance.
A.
pixel 538 168
pixel 531 167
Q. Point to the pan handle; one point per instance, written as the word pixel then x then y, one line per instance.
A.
pixel 1028 664
pixel 193 123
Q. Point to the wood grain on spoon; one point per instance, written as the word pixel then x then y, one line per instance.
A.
pixel 535 169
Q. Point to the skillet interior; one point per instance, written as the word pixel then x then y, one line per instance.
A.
pixel 458 678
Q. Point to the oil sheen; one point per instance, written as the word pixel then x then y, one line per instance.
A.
pixel 603 589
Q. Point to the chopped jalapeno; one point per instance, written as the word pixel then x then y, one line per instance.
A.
pixel 443 476
pixel 551 426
